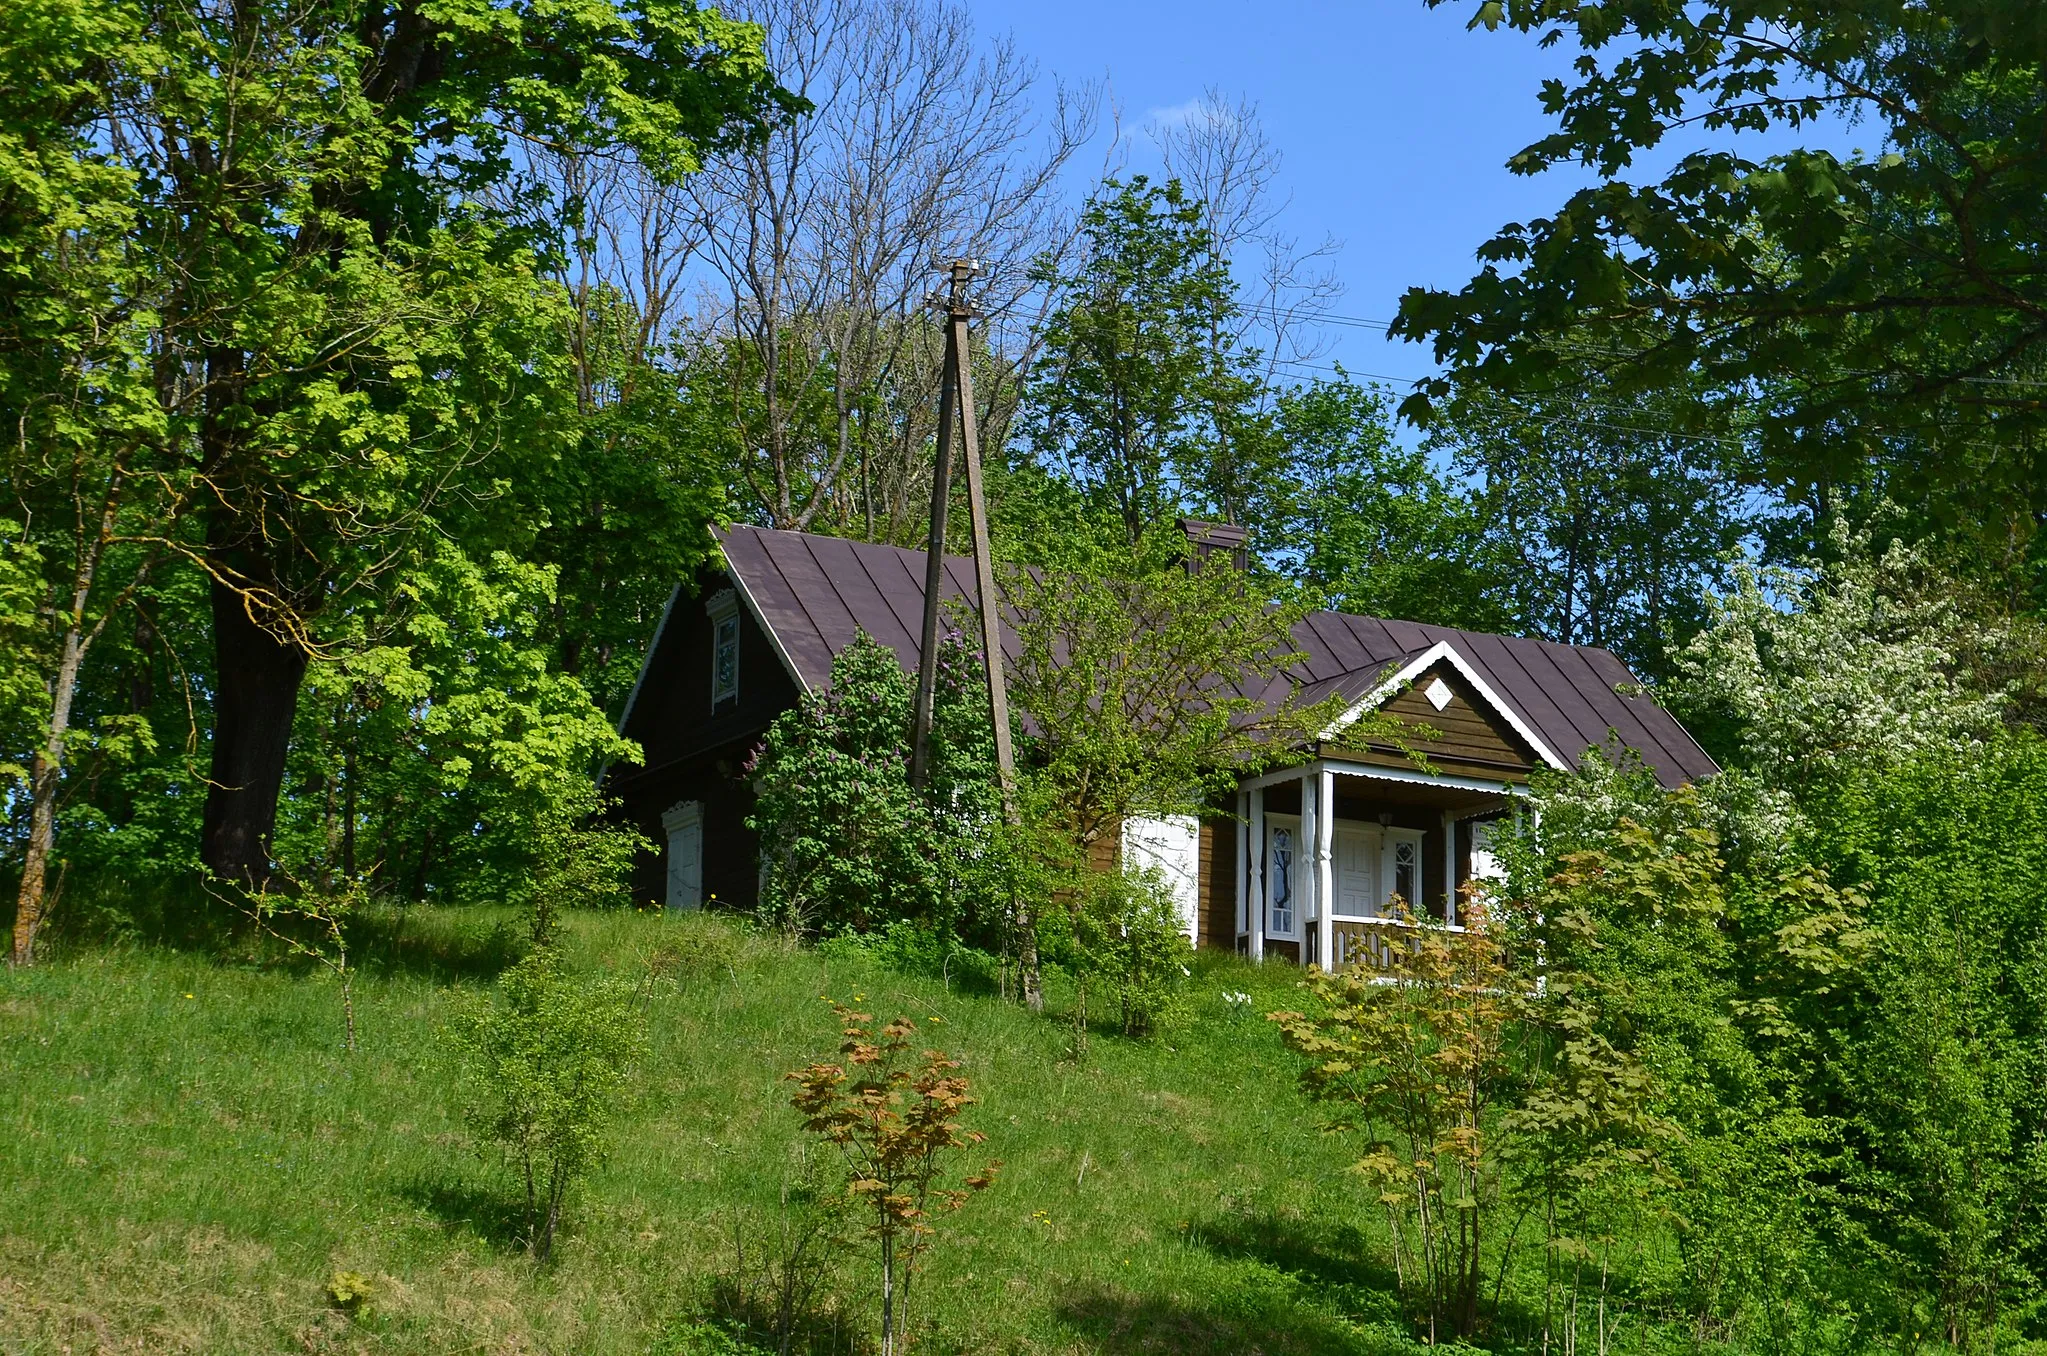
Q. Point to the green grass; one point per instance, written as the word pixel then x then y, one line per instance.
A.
pixel 189 1156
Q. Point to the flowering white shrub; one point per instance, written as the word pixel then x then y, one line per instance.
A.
pixel 1868 663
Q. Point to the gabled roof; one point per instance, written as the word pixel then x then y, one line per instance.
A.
pixel 812 595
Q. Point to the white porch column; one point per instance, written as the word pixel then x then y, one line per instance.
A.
pixel 1449 868
pixel 1325 867
pixel 1255 860
pixel 1243 871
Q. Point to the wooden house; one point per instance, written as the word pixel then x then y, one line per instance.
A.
pixel 1304 862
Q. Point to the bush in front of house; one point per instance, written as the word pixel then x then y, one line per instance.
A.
pixel 849 844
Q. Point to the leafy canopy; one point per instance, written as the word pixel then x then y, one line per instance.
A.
pixel 1878 311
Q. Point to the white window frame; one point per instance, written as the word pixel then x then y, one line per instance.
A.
pixel 1291 826
pixel 724 610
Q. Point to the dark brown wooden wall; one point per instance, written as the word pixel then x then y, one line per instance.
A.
pixel 696 753
pixel 1467 737
pixel 1218 911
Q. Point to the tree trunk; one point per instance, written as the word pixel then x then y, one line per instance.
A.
pixel 46 771
pixel 255 698
pixel 47 768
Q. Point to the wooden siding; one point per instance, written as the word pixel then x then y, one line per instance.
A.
pixel 693 752
pixel 1218 912
pixel 672 718
pixel 1467 730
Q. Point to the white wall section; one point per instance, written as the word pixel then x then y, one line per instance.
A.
pixel 1173 845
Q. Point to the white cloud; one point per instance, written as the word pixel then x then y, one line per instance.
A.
pixel 1196 110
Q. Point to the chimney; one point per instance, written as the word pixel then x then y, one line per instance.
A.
pixel 1206 540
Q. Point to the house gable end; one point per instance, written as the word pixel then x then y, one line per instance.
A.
pixel 1442 661
pixel 1466 735
pixel 672 715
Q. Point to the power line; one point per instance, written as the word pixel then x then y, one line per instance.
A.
pixel 1383 381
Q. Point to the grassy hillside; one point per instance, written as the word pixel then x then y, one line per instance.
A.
pixel 189 1156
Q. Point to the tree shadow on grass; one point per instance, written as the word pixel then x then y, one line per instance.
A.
pixel 434 944
pixel 1226 1320
pixel 460 1206
pixel 1329 1254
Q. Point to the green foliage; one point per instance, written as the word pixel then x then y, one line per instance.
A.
pixel 1138 397
pixel 273 351
pixel 1378 529
pixel 547 1066
pixel 1808 987
pixel 21 671
pixel 850 844
pixel 579 859
pixel 1870 312
pixel 444 755
pixel 350 1291
pixel 1412 1046
pixel 1933 1042
pixel 1593 528
pixel 787 1260
pixel 1112 646
pixel 1131 946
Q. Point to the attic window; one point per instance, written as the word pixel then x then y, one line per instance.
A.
pixel 1438 693
pixel 724 610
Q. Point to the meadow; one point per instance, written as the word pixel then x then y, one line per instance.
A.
pixel 191 1158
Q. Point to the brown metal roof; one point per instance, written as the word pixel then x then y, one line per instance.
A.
pixel 814 594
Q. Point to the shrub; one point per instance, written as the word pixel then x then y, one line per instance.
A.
pixel 849 843
pixel 1416 1055
pixel 1132 943
pixel 313 925
pixel 893 1114
pixel 546 1066
pixel 785 1261
pixel 578 857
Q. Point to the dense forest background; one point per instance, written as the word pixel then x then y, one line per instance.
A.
pixel 354 446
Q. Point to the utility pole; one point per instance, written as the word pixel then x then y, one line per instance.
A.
pixel 956 392
pixel 956 406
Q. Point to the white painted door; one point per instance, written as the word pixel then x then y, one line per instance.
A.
pixel 1357 871
pixel 1173 847
pixel 684 824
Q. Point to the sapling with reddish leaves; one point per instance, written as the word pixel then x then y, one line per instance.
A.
pixel 894 1115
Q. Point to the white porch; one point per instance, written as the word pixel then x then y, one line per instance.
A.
pixel 1322 849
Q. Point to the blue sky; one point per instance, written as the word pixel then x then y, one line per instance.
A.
pixel 1396 123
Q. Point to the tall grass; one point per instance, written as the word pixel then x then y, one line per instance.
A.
pixel 190 1156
